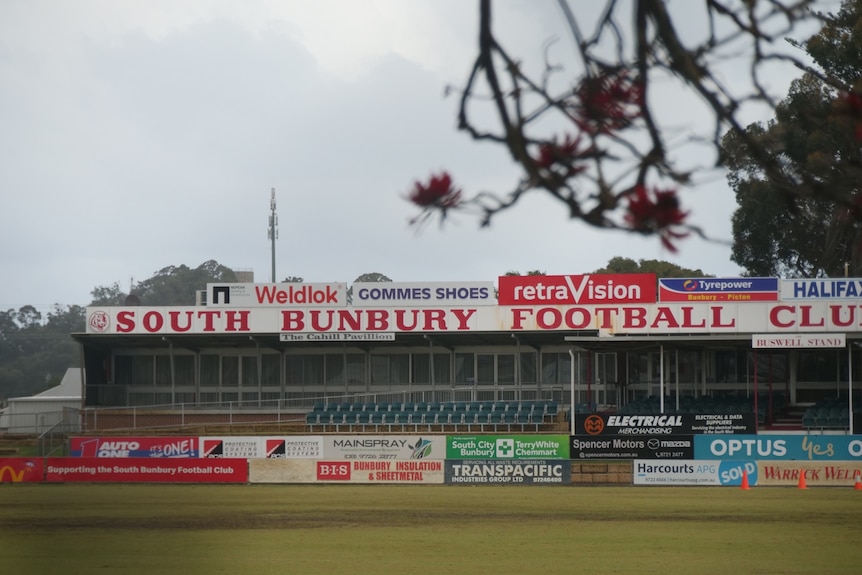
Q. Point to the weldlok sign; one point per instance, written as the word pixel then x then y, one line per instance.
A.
pixel 663 424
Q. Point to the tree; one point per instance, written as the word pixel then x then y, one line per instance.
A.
pixel 171 285
pixel 593 140
pixel 529 273
pixel 34 354
pixel 108 295
pixel 815 232
pixel 662 269
pixel 366 277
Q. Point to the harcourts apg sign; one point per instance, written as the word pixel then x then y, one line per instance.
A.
pixel 507 447
pixel 693 472
pixel 523 472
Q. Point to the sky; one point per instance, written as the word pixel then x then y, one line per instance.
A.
pixel 140 135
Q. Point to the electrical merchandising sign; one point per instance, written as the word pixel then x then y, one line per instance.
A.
pixel 438 293
pixel 577 289
pixel 591 447
pixel 717 289
pixel 507 447
pixel 276 295
pixel 782 447
pixel 522 472
pixel 664 425
pixel 693 472
pixel 648 319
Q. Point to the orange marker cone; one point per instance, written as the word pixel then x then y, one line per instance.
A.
pixel 745 480
pixel 858 485
pixel 802 484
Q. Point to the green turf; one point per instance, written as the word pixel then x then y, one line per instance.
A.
pixel 419 530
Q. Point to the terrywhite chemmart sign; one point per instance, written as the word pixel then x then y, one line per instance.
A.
pixel 625 319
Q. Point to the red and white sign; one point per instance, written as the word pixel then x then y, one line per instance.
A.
pixel 577 289
pixel 646 319
pixel 333 471
pixel 21 470
pixel 170 447
pixel 277 295
pixel 143 470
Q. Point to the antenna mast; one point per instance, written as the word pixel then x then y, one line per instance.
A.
pixel 273 229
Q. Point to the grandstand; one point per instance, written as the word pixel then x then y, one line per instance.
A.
pixel 469 356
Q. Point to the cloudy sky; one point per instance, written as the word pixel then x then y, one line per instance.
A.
pixel 137 135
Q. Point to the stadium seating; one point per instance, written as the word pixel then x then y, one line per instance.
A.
pixel 454 416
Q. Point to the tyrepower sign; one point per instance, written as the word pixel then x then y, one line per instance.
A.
pixel 717 289
pixel 577 289
pixel 277 295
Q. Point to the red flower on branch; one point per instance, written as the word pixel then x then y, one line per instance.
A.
pixel 564 154
pixel 608 102
pixel 656 212
pixel 850 104
pixel 437 195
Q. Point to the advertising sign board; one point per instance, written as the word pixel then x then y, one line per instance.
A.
pixel 693 472
pixel 507 447
pixel 664 447
pixel 517 472
pixel 664 425
pixel 577 289
pixel 167 447
pixel 144 470
pixel 717 289
pixel 276 294
pixel 779 447
pixel 434 293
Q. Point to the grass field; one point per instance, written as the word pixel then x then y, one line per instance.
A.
pixel 419 530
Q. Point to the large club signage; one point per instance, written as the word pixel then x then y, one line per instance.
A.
pixel 663 425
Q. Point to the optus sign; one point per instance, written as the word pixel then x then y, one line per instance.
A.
pixel 786 447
